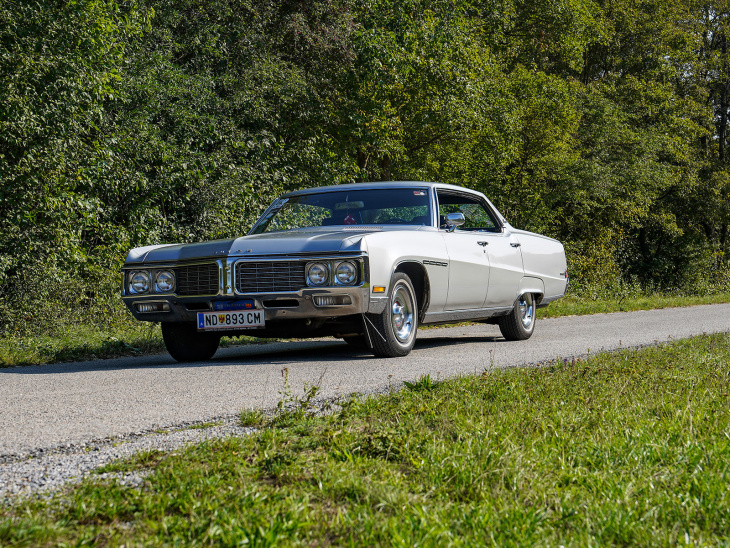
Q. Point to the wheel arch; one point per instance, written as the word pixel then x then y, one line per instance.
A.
pixel 531 284
pixel 421 284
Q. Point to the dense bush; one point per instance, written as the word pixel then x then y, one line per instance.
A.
pixel 124 123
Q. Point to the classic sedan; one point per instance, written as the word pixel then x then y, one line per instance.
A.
pixel 368 263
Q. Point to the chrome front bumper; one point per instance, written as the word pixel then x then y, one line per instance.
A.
pixel 301 304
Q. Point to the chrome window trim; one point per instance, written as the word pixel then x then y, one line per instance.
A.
pixel 498 225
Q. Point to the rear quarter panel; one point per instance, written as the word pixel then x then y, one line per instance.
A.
pixel 544 258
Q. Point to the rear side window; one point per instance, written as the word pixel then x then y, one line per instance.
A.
pixel 478 217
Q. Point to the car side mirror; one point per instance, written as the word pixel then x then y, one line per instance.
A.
pixel 454 219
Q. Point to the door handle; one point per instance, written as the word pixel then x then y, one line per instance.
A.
pixel 515 244
pixel 483 243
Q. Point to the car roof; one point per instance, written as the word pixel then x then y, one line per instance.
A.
pixel 379 184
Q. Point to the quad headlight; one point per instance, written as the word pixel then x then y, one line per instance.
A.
pixel 346 273
pixel 317 274
pixel 139 282
pixel 165 281
pixel 329 273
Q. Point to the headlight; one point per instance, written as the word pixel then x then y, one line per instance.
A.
pixel 346 273
pixel 165 282
pixel 317 274
pixel 139 282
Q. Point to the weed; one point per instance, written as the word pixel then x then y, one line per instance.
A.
pixel 252 418
pixel 424 383
pixel 143 460
pixel 204 425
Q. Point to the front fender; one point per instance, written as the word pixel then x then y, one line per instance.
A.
pixel 386 250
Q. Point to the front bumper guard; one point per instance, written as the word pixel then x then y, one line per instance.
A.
pixel 276 306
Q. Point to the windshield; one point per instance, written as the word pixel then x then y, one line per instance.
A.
pixel 406 206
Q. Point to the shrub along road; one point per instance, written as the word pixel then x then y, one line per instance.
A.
pixel 43 407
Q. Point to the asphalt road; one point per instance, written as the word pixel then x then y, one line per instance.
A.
pixel 43 407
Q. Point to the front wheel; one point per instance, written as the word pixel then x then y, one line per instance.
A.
pixel 519 324
pixel 186 344
pixel 395 328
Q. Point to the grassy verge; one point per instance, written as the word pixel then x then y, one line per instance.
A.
pixel 572 305
pixel 136 338
pixel 631 448
pixel 88 343
pixel 80 343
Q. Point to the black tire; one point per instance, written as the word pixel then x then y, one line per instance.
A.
pixel 396 326
pixel 186 344
pixel 519 325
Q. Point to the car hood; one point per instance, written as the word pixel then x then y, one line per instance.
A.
pixel 317 240
pixel 179 252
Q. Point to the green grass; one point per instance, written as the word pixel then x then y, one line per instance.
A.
pixel 80 343
pixel 631 448
pixel 572 305
pixel 89 343
pixel 252 417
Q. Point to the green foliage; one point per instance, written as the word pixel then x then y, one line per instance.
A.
pixel 134 122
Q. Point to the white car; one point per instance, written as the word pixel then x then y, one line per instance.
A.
pixel 366 262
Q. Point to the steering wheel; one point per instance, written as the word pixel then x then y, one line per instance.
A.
pixel 396 221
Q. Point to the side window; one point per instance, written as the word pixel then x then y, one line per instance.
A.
pixel 476 215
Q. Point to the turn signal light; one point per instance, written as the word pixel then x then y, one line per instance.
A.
pixel 378 289
pixel 331 300
pixel 153 307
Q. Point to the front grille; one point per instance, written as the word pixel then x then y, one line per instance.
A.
pixel 268 276
pixel 199 279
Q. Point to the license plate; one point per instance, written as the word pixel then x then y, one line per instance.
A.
pixel 218 321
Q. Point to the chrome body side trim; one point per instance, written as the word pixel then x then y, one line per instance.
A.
pixel 463 315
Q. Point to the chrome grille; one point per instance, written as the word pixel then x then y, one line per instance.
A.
pixel 199 279
pixel 268 276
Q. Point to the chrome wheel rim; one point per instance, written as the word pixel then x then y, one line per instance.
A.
pixel 527 310
pixel 402 313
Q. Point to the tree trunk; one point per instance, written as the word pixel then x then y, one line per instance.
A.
pixel 722 133
pixel 644 245
pixel 385 167
pixel 362 163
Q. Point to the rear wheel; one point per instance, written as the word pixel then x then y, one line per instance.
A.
pixel 186 344
pixel 519 324
pixel 396 326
